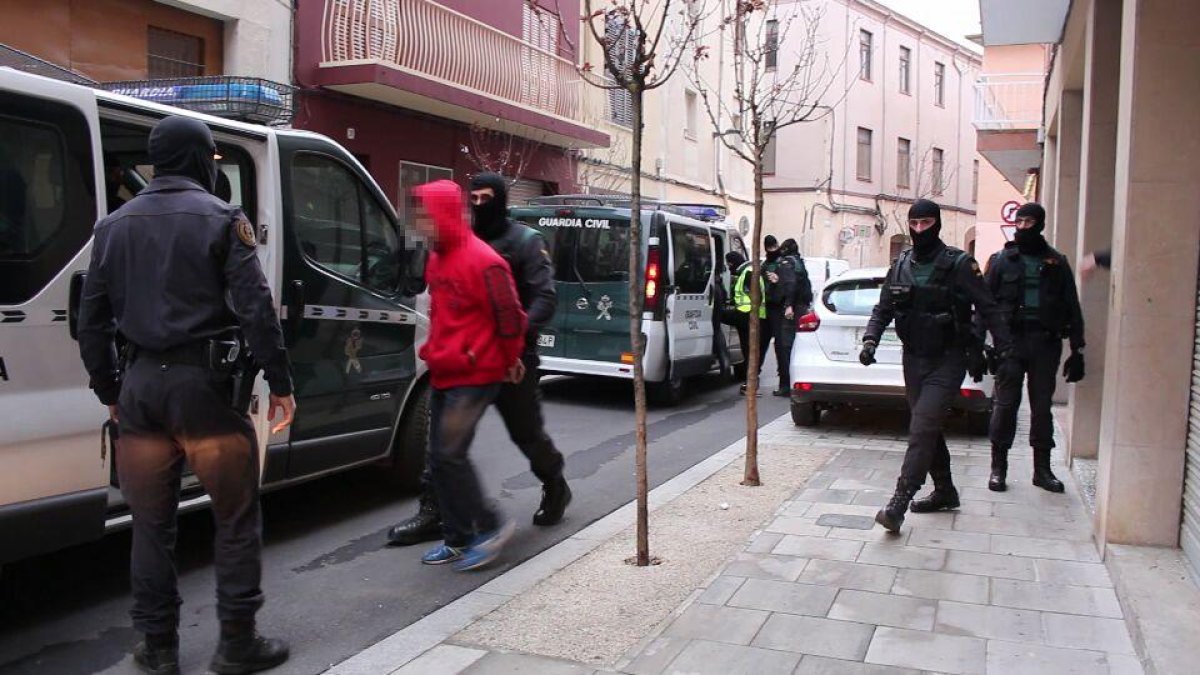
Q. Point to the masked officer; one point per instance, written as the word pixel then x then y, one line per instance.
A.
pixel 780 272
pixel 519 404
pixel 176 272
pixel 741 269
pixel 802 297
pixel 930 291
pixel 1035 288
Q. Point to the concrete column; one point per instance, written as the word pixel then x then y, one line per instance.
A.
pixel 1156 239
pixel 1065 216
pixel 1096 175
pixel 1049 187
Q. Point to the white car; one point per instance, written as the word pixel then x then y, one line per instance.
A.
pixel 825 368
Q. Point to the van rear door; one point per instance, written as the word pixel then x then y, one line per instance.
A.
pixel 689 304
pixel 52 470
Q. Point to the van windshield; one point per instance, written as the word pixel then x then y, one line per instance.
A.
pixel 588 250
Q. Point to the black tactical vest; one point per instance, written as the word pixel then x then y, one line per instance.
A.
pixel 1053 311
pixel 931 317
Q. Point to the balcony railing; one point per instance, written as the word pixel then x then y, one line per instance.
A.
pixel 425 38
pixel 1009 101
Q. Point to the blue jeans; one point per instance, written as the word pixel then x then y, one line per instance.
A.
pixel 453 415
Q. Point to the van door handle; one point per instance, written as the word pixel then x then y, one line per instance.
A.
pixel 73 300
pixel 295 310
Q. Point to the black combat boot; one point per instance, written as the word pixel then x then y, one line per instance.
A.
pixel 158 654
pixel 891 517
pixel 999 470
pixel 242 650
pixel 556 495
pixel 425 526
pixel 1043 477
pixel 943 498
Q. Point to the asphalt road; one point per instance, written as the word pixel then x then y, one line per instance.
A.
pixel 332 586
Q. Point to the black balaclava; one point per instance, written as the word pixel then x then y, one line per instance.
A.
pixel 490 220
pixel 1030 241
pixel 771 244
pixel 734 260
pixel 928 242
pixel 182 146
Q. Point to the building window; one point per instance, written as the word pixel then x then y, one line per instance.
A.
pixel 905 68
pixel 772 47
pixel 865 40
pixel 939 84
pixel 864 154
pixel 936 172
pixel 171 54
pixel 621 39
pixel 769 151
pixel 691 108
pixel 903 163
pixel 975 183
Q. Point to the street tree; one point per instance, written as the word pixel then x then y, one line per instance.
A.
pixel 783 74
pixel 496 151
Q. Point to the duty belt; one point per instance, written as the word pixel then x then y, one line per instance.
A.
pixel 213 354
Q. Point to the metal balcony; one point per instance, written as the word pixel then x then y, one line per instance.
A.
pixel 1009 101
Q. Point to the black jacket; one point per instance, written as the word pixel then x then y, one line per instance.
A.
pixel 525 250
pixel 1058 298
pixel 172 267
pixel 802 294
pixel 781 293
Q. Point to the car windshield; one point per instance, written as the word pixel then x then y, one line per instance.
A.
pixel 853 296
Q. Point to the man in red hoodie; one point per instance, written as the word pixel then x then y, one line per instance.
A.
pixel 476 335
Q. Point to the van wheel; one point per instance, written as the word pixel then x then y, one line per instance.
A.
pixel 978 423
pixel 669 393
pixel 412 443
pixel 806 414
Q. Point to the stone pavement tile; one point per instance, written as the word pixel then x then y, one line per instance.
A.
pixel 819 665
pixel 1119 664
pixel 1011 658
pixel 983 621
pixel 994 525
pixel 766 566
pixel 986 495
pixel 795 508
pixel 850 455
pixel 812 635
pixel 763 542
pixel 1034 513
pixel 818 510
pixel 442 660
pixel 990 565
pixel 938 520
pixel 951 539
pixel 719 624
pixel 819 482
pixel 1072 573
pixel 884 610
pixel 857 576
pixel 928 651
pixel 1054 549
pixel 801 526
pixel 497 663
pixel 721 590
pixel 704 658
pixel 857 485
pixel 1099 602
pixel 911 557
pixel 657 655
pixel 839 472
pixel 783 596
pixel 875 535
pixel 972 507
pixel 818 547
pixel 942 586
pixel 872 497
pixel 827 496
pixel 1085 632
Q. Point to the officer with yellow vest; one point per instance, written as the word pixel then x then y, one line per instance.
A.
pixel 739 318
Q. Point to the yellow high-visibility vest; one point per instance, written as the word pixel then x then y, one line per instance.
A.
pixel 741 296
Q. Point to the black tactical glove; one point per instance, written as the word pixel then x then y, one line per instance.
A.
pixel 976 364
pixel 867 355
pixel 1073 368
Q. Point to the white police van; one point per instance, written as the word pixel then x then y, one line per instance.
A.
pixel 347 279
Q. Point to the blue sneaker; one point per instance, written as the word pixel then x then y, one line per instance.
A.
pixel 486 547
pixel 440 555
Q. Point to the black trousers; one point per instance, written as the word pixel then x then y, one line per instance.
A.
pixel 930 384
pixel 783 332
pixel 168 414
pixel 1039 353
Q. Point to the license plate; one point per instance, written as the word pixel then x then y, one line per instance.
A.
pixel 545 341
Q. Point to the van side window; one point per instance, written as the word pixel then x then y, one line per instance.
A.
pixel 602 254
pixel 692 259
pixel 382 247
pixel 47 193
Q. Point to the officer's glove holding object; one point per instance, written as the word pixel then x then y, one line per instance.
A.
pixel 977 364
pixel 1073 368
pixel 867 355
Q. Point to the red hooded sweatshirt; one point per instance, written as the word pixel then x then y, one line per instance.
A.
pixel 476 324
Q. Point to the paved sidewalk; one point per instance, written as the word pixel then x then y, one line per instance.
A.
pixel 1010 583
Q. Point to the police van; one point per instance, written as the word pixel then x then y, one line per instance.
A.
pixel 588 238
pixel 346 277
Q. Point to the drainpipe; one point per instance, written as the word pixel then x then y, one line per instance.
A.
pixel 958 141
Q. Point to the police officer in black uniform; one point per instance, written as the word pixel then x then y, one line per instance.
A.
pixel 930 291
pixel 802 295
pixel 780 273
pixel 1035 288
pixel 174 270
pixel 519 404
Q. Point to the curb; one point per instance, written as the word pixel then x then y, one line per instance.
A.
pixel 405 645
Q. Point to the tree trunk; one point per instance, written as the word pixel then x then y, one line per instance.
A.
pixel 751 474
pixel 636 291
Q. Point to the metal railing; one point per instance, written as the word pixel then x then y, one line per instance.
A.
pixel 1009 101
pixel 436 42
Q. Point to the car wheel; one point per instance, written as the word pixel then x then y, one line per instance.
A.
pixel 668 393
pixel 412 443
pixel 806 414
pixel 978 423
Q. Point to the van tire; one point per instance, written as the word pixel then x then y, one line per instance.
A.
pixel 412 442
pixel 669 393
pixel 806 414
